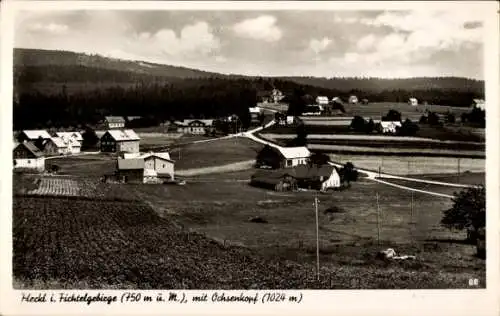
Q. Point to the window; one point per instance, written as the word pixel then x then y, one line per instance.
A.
pixel 289 162
pixel 164 165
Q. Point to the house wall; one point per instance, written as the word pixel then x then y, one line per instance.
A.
pixel 51 149
pixel 31 163
pixel 196 130
pixel 75 149
pixel 332 182
pixel 115 125
pixel 108 144
pixel 128 146
pixel 288 163
pixel 131 176
pixel 159 165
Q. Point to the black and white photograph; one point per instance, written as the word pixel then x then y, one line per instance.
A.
pixel 256 149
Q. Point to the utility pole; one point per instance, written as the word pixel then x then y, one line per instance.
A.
pixel 378 221
pixel 411 208
pixel 317 235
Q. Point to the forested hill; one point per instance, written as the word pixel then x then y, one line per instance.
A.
pixel 34 66
pixel 33 58
pixel 407 84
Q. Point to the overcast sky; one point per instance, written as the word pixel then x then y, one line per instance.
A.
pixel 271 43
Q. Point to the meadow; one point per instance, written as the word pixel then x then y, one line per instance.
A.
pixel 156 235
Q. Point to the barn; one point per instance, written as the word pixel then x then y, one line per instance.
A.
pixel 26 155
pixel 120 141
pixel 130 170
pixel 278 180
pixel 282 157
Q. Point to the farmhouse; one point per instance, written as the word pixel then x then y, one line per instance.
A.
pixel 322 100
pixel 55 146
pixel 353 99
pixel 479 103
pixel 73 140
pixel 113 122
pixel 278 180
pixel 33 135
pixel 120 141
pixel 317 177
pixel 159 166
pixel 145 168
pixel 389 127
pixel 197 127
pixel 282 157
pixel 27 155
pixel 413 101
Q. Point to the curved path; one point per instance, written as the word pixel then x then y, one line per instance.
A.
pixel 371 175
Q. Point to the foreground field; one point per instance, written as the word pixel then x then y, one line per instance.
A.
pixel 82 243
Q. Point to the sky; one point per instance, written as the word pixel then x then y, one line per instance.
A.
pixel 387 44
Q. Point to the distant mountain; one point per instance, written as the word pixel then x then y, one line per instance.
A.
pixel 45 58
pixel 32 67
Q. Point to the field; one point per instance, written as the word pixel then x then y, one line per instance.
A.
pixel 403 165
pixel 214 153
pixel 110 243
pixel 376 110
pixel 90 165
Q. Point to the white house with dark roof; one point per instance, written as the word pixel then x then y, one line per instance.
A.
pixel 282 157
pixel 28 156
pixel 120 141
pixel 114 122
pixel 197 127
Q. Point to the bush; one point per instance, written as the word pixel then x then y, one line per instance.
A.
pixel 468 212
pixel 450 118
pixel 392 116
pixel 408 128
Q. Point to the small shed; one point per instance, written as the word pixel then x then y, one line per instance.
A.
pixel 130 170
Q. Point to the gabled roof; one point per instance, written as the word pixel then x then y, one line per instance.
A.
pixel 76 135
pixel 31 148
pixel 309 172
pixel 115 119
pixel 189 122
pixel 123 135
pixel 35 134
pixel 162 155
pixel 294 152
pixel 130 164
pixel 59 142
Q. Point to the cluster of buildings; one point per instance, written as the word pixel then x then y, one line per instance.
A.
pixel 290 168
pixel 32 146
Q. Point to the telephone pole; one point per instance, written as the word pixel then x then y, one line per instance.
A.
pixel 378 221
pixel 317 235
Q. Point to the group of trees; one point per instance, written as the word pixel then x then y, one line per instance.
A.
pixel 197 98
pixel 360 125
